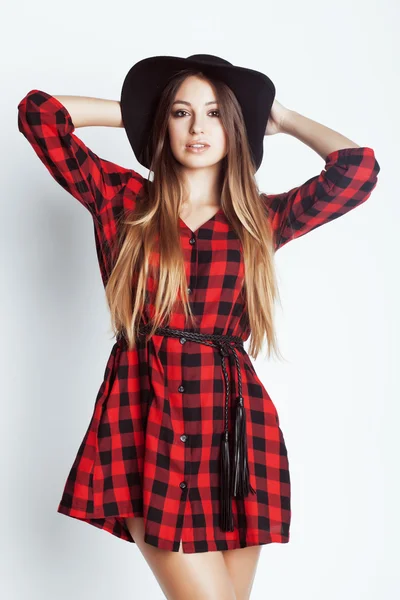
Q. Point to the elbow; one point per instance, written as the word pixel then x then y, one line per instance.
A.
pixel 369 179
pixel 360 173
pixel 372 168
pixel 26 100
pixel 26 108
pixel 376 169
pixel 21 116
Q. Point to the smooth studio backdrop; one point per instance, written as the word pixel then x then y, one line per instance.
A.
pixel 338 327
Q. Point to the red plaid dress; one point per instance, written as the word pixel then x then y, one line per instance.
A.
pixel 152 446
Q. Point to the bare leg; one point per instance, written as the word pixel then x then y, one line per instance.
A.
pixel 197 576
pixel 242 564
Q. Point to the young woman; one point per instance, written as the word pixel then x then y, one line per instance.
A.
pixel 184 454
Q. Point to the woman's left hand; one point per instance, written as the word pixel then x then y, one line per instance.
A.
pixel 276 118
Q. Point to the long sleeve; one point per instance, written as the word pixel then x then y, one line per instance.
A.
pixel 48 127
pixel 349 176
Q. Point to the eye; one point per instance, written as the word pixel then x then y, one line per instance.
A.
pixel 176 113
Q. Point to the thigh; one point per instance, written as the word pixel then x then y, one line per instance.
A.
pixel 182 575
pixel 242 564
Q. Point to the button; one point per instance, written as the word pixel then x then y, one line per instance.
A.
pixel 184 438
pixel 189 290
pixel 181 388
pixel 182 484
pixel 182 340
pixel 192 240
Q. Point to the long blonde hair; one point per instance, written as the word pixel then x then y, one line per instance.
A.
pixel 149 265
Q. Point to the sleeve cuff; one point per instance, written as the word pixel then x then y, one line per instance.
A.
pixel 337 155
pixel 56 106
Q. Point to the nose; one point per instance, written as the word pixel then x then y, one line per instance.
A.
pixel 197 125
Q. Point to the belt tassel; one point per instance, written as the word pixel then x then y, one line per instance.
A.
pixel 241 481
pixel 225 488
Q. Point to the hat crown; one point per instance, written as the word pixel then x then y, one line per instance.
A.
pixel 209 59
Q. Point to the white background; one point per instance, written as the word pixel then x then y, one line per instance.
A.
pixel 338 328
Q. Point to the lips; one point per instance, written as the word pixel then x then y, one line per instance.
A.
pixel 197 149
pixel 196 143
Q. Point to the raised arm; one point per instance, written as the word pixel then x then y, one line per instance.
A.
pixel 86 111
pixel 48 125
pixel 349 176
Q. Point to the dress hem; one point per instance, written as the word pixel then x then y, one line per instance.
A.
pixel 115 525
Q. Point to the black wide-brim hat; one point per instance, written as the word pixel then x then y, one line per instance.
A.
pixel 145 81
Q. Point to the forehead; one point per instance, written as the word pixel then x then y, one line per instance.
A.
pixel 195 87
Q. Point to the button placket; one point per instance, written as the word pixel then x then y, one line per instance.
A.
pixel 184 437
pixel 193 264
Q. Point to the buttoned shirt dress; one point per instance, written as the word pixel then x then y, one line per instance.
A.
pixel 152 446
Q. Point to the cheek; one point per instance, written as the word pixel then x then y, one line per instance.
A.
pixel 171 132
pixel 175 135
pixel 222 141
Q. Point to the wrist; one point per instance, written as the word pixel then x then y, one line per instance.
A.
pixel 287 122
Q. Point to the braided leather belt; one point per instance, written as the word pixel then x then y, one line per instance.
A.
pixel 235 484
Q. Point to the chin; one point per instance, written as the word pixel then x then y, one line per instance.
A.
pixel 200 160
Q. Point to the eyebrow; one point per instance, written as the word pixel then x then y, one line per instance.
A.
pixel 189 104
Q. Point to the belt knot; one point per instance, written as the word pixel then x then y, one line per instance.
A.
pixel 225 348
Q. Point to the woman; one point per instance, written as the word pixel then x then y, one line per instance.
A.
pixel 184 454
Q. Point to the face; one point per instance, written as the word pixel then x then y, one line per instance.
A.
pixel 195 116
